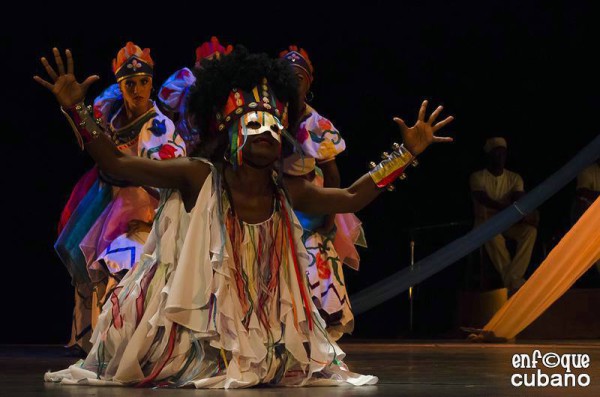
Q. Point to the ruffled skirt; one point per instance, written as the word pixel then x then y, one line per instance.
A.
pixel 195 312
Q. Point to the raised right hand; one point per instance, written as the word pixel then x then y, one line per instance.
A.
pixel 66 89
pixel 418 137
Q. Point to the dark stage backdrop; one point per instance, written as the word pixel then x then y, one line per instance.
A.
pixel 521 69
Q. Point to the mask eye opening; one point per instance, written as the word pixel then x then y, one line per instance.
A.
pixel 253 125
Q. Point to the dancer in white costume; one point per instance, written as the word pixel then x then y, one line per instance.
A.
pixel 329 240
pixel 219 298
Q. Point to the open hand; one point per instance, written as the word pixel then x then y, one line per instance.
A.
pixel 66 89
pixel 422 134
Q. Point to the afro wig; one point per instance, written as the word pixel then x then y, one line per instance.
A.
pixel 214 81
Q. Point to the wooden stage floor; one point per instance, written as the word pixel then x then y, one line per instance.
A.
pixel 404 369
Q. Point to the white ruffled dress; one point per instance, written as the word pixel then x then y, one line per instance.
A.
pixel 210 306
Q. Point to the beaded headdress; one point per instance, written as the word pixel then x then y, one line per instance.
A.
pixel 298 57
pixel 241 107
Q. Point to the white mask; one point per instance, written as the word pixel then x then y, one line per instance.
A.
pixel 259 122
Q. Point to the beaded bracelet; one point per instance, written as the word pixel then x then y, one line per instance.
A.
pixel 392 166
pixel 85 127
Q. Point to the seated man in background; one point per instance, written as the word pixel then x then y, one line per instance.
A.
pixel 493 189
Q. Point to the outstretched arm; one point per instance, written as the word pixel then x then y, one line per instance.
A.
pixel 312 199
pixel 183 174
pixel 180 173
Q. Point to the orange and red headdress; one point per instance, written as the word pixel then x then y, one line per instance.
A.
pixel 211 49
pixel 132 61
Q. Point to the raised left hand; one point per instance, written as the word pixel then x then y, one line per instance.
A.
pixel 66 89
pixel 418 137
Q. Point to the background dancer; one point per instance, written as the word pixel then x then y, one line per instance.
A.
pixel 106 221
pixel 330 239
